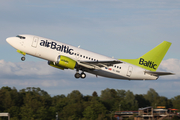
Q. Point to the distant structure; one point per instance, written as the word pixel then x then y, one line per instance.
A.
pixel 147 113
pixel 124 114
pixel 155 114
pixel 5 115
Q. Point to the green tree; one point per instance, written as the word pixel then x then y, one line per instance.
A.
pixel 75 96
pixel 95 94
pixel 95 110
pixel 108 98
pixel 72 111
pixel 60 106
pixel 119 103
pixel 176 102
pixel 142 102
pixel 130 101
pixel 10 101
pixel 121 94
pixel 152 96
pixel 71 107
pixel 33 103
pixel 36 104
pixel 163 101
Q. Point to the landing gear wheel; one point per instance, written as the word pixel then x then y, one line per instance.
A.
pixel 83 75
pixel 77 75
pixel 23 58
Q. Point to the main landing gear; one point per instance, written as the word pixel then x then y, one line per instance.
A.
pixel 82 75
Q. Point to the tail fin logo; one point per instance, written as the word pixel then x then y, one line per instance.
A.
pixel 149 64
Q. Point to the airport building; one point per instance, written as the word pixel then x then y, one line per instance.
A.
pixel 148 113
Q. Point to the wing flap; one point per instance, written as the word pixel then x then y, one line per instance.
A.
pixel 98 64
pixel 88 66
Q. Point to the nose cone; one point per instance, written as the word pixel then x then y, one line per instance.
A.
pixel 9 40
pixel 13 41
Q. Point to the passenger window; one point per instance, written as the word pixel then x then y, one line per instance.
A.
pixel 92 59
pixel 83 56
pixel 114 65
pixel 86 57
pixel 77 54
pixel 80 55
pixel 74 53
pixel 117 66
pixel 89 58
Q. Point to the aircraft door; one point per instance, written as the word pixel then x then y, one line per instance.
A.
pixel 129 72
pixel 35 42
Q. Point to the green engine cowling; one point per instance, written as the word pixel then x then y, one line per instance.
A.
pixel 54 65
pixel 65 62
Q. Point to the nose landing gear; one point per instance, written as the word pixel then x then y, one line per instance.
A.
pixel 23 58
pixel 23 53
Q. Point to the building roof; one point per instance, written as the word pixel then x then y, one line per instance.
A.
pixel 145 108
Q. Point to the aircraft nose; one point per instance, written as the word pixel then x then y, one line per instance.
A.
pixel 13 41
pixel 9 40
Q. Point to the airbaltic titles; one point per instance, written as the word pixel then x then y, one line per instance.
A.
pixel 149 64
pixel 54 45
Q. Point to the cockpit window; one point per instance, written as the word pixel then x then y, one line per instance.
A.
pixel 21 37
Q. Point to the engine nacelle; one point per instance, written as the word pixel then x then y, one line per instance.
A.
pixel 65 62
pixel 54 65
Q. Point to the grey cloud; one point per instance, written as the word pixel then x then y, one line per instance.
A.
pixel 55 81
pixel 171 65
pixel 26 68
pixel 43 69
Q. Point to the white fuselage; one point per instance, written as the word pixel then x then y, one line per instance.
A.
pixel 49 50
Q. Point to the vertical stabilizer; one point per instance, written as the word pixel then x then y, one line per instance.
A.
pixel 152 59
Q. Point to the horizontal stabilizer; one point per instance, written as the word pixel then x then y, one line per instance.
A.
pixel 159 73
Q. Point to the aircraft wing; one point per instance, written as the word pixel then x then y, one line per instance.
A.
pixel 159 73
pixel 97 64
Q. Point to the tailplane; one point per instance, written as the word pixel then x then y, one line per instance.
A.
pixel 152 59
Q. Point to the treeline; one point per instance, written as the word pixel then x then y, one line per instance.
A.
pixel 36 104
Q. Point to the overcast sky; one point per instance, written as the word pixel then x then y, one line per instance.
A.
pixel 115 28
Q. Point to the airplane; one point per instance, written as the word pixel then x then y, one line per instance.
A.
pixel 64 56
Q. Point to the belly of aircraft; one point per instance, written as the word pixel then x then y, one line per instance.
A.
pixel 107 74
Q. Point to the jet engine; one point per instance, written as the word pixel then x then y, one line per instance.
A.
pixel 63 62
pixel 54 65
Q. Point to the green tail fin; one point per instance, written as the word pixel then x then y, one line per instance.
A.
pixel 152 59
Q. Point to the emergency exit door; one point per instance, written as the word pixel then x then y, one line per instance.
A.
pixel 129 72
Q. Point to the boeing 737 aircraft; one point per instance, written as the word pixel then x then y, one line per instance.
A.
pixel 64 56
